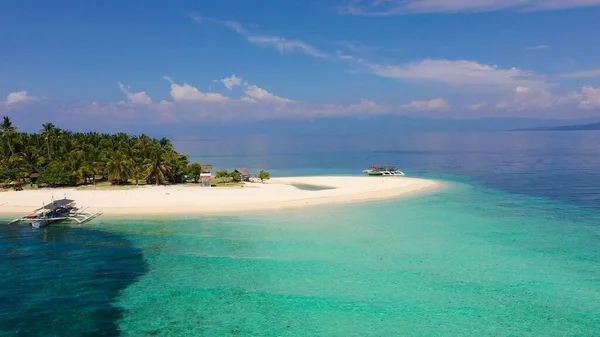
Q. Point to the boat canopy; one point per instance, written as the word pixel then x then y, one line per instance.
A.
pixel 58 203
pixel 383 167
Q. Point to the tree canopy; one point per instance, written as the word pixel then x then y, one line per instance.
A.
pixel 263 175
pixel 62 157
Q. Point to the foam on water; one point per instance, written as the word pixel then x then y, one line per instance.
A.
pixel 460 261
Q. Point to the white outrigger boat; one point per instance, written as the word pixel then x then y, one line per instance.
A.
pixel 384 171
pixel 59 210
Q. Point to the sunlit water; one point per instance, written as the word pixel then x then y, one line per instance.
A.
pixel 500 250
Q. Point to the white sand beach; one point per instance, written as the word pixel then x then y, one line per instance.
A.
pixel 278 193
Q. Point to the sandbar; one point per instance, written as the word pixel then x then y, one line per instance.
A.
pixel 276 194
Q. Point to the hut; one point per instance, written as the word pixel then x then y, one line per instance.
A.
pixel 206 175
pixel 35 174
pixel 243 173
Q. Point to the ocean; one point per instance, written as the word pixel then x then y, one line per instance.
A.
pixel 510 246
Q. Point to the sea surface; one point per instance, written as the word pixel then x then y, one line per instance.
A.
pixel 509 247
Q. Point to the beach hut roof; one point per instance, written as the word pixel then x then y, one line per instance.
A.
pixel 242 171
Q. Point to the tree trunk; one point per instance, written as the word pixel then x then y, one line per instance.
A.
pixel 156 179
pixel 48 149
pixel 9 146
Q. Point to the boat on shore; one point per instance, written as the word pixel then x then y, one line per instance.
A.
pixel 59 210
pixel 384 171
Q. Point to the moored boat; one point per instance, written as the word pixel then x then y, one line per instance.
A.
pixel 59 210
pixel 384 171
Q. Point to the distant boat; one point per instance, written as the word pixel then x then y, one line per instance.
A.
pixel 384 171
pixel 55 211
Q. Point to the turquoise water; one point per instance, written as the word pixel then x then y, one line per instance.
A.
pixel 510 247
pixel 461 261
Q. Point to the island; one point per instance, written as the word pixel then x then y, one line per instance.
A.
pixel 125 175
pixel 580 127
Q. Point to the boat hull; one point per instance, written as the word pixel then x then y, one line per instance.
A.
pixel 384 173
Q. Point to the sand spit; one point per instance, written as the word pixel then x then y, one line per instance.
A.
pixel 278 193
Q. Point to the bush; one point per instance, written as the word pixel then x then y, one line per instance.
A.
pixel 263 175
pixel 223 174
pixel 56 175
pixel 195 170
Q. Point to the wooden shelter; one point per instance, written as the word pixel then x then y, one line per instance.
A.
pixel 35 174
pixel 206 175
pixel 243 173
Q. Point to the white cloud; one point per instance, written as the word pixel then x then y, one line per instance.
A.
pixel 19 97
pixel 186 92
pixel 280 43
pixel 284 45
pixel 461 73
pixel 525 98
pixel 196 17
pixel 403 7
pixel 189 104
pixel 477 106
pixel 438 104
pixel 230 82
pixel 135 97
pixel 540 47
pixel 367 106
pixel 256 94
pixel 582 74
pixel 590 98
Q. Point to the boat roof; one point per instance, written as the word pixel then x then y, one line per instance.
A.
pixel 58 203
pixel 384 167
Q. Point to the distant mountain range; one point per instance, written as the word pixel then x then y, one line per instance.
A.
pixel 377 125
pixel 577 127
pixel 341 126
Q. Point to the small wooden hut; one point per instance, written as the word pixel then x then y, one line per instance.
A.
pixel 243 173
pixel 206 175
pixel 35 174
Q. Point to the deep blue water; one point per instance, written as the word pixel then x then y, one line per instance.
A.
pixel 533 194
pixel 61 281
pixel 560 165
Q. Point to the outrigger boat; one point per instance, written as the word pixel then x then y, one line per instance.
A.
pixel 384 171
pixel 59 210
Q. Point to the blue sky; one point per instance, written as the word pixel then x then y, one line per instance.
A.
pixel 203 61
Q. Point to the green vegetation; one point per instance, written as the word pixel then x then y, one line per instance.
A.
pixel 263 175
pixel 195 171
pixel 226 177
pixel 56 157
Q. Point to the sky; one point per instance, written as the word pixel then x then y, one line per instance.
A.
pixel 150 63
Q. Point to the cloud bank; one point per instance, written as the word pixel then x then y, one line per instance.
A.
pixel 404 7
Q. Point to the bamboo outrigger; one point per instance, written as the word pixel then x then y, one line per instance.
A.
pixel 59 210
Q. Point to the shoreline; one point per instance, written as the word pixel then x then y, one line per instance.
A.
pixel 277 194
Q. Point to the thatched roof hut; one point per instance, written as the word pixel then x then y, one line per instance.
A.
pixel 244 174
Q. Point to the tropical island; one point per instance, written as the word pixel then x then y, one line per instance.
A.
pixel 124 175
pixel 59 158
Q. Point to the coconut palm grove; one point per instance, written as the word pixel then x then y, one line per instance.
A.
pixel 56 157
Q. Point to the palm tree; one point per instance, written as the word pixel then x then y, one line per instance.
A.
pixel 48 131
pixel 118 167
pixel 8 131
pixel 156 166
pixel 68 158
